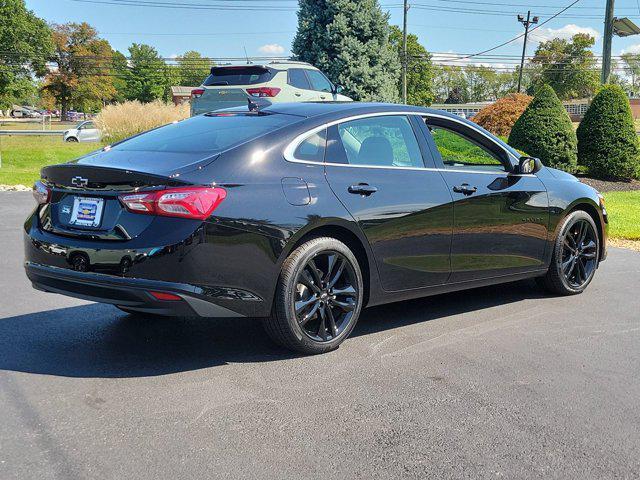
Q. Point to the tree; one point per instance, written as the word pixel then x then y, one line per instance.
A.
pixel 120 70
pixel 545 131
pixel 192 69
pixel 607 141
pixel 82 75
pixel 631 63
pixel 568 66
pixel 349 41
pixel 450 78
pixel 147 75
pixel 419 68
pixel 26 44
pixel 499 117
pixel 487 84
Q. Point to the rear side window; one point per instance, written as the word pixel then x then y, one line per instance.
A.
pixel 221 76
pixel 298 79
pixel 312 148
pixel 319 82
pixel 386 141
pixel 206 134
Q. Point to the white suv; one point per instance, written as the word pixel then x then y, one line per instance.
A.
pixel 277 82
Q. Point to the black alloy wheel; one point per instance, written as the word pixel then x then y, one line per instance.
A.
pixel 326 296
pixel 579 254
pixel 575 255
pixel 318 298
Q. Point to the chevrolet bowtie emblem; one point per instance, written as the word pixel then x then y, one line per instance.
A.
pixel 79 181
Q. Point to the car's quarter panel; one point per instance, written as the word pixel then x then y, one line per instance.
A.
pixel 407 221
pixel 501 219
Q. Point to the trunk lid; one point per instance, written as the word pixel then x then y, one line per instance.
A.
pixel 84 201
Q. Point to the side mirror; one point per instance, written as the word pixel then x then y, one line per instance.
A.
pixel 338 89
pixel 529 165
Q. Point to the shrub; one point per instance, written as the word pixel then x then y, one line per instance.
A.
pixel 500 116
pixel 607 141
pixel 545 131
pixel 123 120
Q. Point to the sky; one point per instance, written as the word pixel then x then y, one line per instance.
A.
pixel 443 26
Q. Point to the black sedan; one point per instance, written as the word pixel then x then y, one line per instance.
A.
pixel 303 214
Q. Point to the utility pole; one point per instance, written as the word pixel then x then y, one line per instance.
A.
pixel 404 53
pixel 608 37
pixel 527 23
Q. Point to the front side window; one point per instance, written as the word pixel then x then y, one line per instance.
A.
pixel 385 141
pixel 460 152
pixel 298 79
pixel 319 82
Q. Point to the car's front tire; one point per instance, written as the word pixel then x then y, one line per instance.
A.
pixel 72 140
pixel 575 256
pixel 318 298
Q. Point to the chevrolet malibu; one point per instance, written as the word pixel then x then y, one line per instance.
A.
pixel 303 214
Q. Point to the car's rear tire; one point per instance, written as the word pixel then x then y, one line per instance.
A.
pixel 575 256
pixel 318 298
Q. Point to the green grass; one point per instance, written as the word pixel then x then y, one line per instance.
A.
pixel 624 214
pixel 23 157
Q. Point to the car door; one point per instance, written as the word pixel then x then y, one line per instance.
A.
pixel 500 218
pixel 375 165
pixel 300 86
pixel 322 88
pixel 87 132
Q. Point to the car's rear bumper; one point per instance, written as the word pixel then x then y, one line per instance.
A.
pixel 130 293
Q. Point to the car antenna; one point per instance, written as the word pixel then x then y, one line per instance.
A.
pixel 246 55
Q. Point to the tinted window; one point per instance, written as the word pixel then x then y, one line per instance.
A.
pixel 206 134
pixel 238 76
pixel 319 81
pixel 380 141
pixel 458 151
pixel 298 79
pixel 88 125
pixel 312 148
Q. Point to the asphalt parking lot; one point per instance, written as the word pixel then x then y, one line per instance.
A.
pixel 495 382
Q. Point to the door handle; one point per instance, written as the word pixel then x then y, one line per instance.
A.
pixel 465 189
pixel 363 189
pixel 297 94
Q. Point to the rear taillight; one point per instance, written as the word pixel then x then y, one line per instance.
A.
pixel 197 93
pixel 41 193
pixel 186 202
pixel 165 297
pixel 263 91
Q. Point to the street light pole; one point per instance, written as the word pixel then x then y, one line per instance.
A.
pixel 608 37
pixel 404 53
pixel 527 23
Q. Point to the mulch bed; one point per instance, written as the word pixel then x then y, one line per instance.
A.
pixel 610 186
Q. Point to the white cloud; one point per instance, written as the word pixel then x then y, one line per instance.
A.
pixel 271 49
pixel 633 49
pixel 566 32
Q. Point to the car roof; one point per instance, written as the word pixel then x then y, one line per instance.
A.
pixel 315 109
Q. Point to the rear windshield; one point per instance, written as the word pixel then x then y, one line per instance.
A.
pixel 206 134
pixel 238 76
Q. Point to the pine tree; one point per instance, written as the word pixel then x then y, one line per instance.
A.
pixel 607 141
pixel 349 41
pixel 545 131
